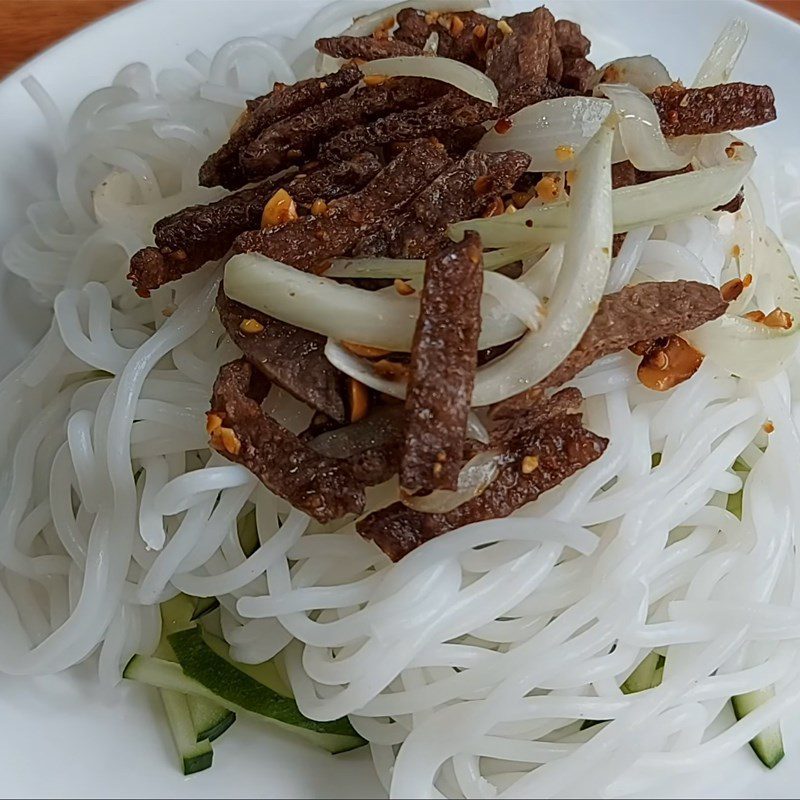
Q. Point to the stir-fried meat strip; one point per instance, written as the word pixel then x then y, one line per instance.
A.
pixel 636 313
pixel 294 139
pixel 528 94
pixel 522 54
pixel 443 362
pixel 189 238
pixel 464 191
pixel 292 358
pixel 223 169
pixel 309 243
pixel 453 111
pixel 715 109
pixel 241 431
pixel 505 429
pixel 734 204
pixel 536 459
pixel 570 39
pixel 578 74
pixel 555 62
pixel 365 47
pixel 462 35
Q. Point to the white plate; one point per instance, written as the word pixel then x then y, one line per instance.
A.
pixel 64 736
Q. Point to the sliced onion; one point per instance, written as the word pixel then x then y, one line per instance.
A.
pixel 640 130
pixel 655 203
pixel 462 76
pixel 473 479
pixel 415 268
pixel 516 298
pixel 431 46
pixel 543 129
pixel 580 285
pixel 377 430
pixel 383 319
pixel 644 72
pixel 362 370
pixel 720 62
pixel 749 349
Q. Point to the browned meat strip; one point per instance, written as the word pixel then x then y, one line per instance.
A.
pixel 291 140
pixel 537 459
pixel 504 429
pixel 189 238
pixel 309 243
pixel 734 204
pixel 462 35
pixel 461 141
pixel 521 55
pixel 451 112
pixel 222 168
pixel 464 191
pixel 365 47
pixel 555 62
pixel 443 362
pixel 291 357
pixel 578 74
pixel 571 42
pixel 240 430
pixel 716 109
pixel 527 94
pixel 636 313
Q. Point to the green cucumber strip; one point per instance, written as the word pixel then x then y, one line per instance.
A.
pixel 210 719
pixel 644 676
pixel 336 737
pixel 767 745
pixel 203 606
pixel 195 756
pixel 248 533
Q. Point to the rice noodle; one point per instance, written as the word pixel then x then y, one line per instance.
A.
pixel 470 664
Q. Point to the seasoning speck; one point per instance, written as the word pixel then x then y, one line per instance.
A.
pixel 530 464
pixel 564 152
pixel 250 326
pixel 401 287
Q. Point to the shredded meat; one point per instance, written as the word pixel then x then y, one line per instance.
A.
pixel 570 39
pixel 528 94
pixel 578 74
pixel 715 109
pixel 291 357
pixel 223 169
pixel 460 41
pixel 536 458
pixel 451 112
pixel 189 238
pixel 636 313
pixel 365 47
pixel 443 362
pixel 294 139
pixel 309 243
pixel 464 191
pixel 322 487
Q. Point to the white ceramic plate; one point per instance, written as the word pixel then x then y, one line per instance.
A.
pixel 64 736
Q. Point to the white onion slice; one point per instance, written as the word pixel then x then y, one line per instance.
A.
pixel 415 268
pixel 579 288
pixel 640 130
pixel 655 203
pixel 720 62
pixel 749 349
pixel 462 76
pixel 473 479
pixel 644 72
pixel 383 319
pixel 362 370
pixel 541 129
pixel 516 298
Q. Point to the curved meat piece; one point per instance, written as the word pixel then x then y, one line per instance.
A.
pixel 222 168
pixel 443 362
pixel 715 109
pixel 241 431
pixel 365 47
pixel 570 39
pixel 462 35
pixel 291 357
pixel 636 313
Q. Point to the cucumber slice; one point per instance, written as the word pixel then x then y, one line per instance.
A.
pixel 646 676
pixel 239 693
pixel 248 533
pixel 195 756
pixel 210 719
pixel 767 745
pixel 266 672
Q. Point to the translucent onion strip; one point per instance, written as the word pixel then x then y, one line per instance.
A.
pixel 644 72
pixel 719 64
pixel 462 76
pixel 553 133
pixel 516 298
pixel 382 319
pixel 640 130
pixel 362 370
pixel 655 203
pixel 580 285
